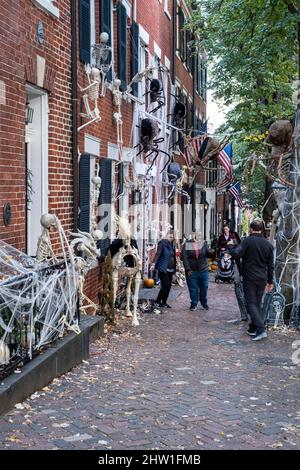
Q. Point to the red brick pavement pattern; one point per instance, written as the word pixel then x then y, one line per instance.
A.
pixel 182 380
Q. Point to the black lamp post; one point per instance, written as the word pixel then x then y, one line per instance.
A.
pixel 206 206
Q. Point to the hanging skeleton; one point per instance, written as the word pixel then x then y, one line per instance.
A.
pixel 176 177
pixel 117 100
pixel 91 95
pixel 101 54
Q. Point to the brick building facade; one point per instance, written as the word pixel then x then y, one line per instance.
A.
pixel 36 173
pixel 48 160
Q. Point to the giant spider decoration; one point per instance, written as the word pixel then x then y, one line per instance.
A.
pixel 157 94
pixel 149 145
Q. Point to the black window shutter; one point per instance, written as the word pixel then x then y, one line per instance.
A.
pixel 105 27
pixel 105 172
pixel 135 55
pixel 122 46
pixel 188 51
pixel 182 34
pixel 84 30
pixel 84 193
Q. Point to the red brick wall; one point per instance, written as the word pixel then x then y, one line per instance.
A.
pixel 19 48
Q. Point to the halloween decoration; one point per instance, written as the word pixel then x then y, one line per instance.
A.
pixel 125 261
pixel 149 145
pixel 91 95
pixel 176 176
pixel 102 55
pixel 38 297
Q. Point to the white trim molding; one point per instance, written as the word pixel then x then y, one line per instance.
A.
pixel 47 6
pixel 157 50
pixel 144 35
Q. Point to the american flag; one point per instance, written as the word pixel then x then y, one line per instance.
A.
pixel 235 191
pixel 224 158
pixel 193 148
pixel 223 185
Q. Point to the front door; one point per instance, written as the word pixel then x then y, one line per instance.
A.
pixel 36 165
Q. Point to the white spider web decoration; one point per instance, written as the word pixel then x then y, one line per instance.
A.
pixel 38 302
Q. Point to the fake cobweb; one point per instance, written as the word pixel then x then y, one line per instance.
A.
pixel 38 302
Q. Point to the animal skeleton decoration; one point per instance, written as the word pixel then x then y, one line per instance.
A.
pixel 84 248
pixel 91 94
pixel 127 262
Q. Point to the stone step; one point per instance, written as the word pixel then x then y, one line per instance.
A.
pixel 54 361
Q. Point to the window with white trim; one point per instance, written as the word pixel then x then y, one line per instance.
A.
pixel 47 6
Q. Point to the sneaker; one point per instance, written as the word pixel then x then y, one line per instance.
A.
pixel 260 336
pixel 168 306
pixel 206 307
pixel 193 308
pixel 251 333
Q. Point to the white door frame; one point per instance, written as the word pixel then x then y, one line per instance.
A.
pixel 33 231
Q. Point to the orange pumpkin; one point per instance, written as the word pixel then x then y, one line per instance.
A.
pixel 149 283
pixel 214 267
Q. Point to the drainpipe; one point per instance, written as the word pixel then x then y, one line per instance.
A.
pixel 74 114
pixel 174 42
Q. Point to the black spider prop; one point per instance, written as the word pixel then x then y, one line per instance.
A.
pixel 157 94
pixel 149 144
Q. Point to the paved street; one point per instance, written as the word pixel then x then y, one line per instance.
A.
pixel 182 380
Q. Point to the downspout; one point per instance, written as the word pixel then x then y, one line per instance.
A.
pixel 74 114
pixel 174 41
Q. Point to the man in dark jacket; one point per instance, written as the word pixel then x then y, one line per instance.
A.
pixel 194 257
pixel 257 271
pixel 165 263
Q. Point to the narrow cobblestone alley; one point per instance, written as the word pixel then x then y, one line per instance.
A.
pixel 182 380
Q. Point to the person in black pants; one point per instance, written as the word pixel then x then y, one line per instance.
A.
pixel 257 271
pixel 165 263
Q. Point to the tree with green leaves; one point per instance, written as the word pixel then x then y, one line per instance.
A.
pixel 252 50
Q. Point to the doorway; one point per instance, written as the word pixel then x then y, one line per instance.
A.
pixel 36 145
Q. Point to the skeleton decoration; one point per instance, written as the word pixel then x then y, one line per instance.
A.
pixel 101 54
pixel 117 100
pixel 127 262
pixel 149 144
pixel 91 95
pixel 176 177
pixel 44 247
pixel 157 90
pixel 38 297
pixel 84 248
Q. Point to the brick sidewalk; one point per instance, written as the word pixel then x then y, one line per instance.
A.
pixel 182 380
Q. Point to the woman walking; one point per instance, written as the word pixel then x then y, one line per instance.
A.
pixel 165 263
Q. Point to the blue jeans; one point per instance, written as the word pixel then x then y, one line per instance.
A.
pixel 198 285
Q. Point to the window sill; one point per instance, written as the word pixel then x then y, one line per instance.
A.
pixel 168 15
pixel 47 7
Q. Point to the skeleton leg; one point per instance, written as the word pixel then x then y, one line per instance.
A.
pixel 137 282
pixel 115 276
pixel 128 296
